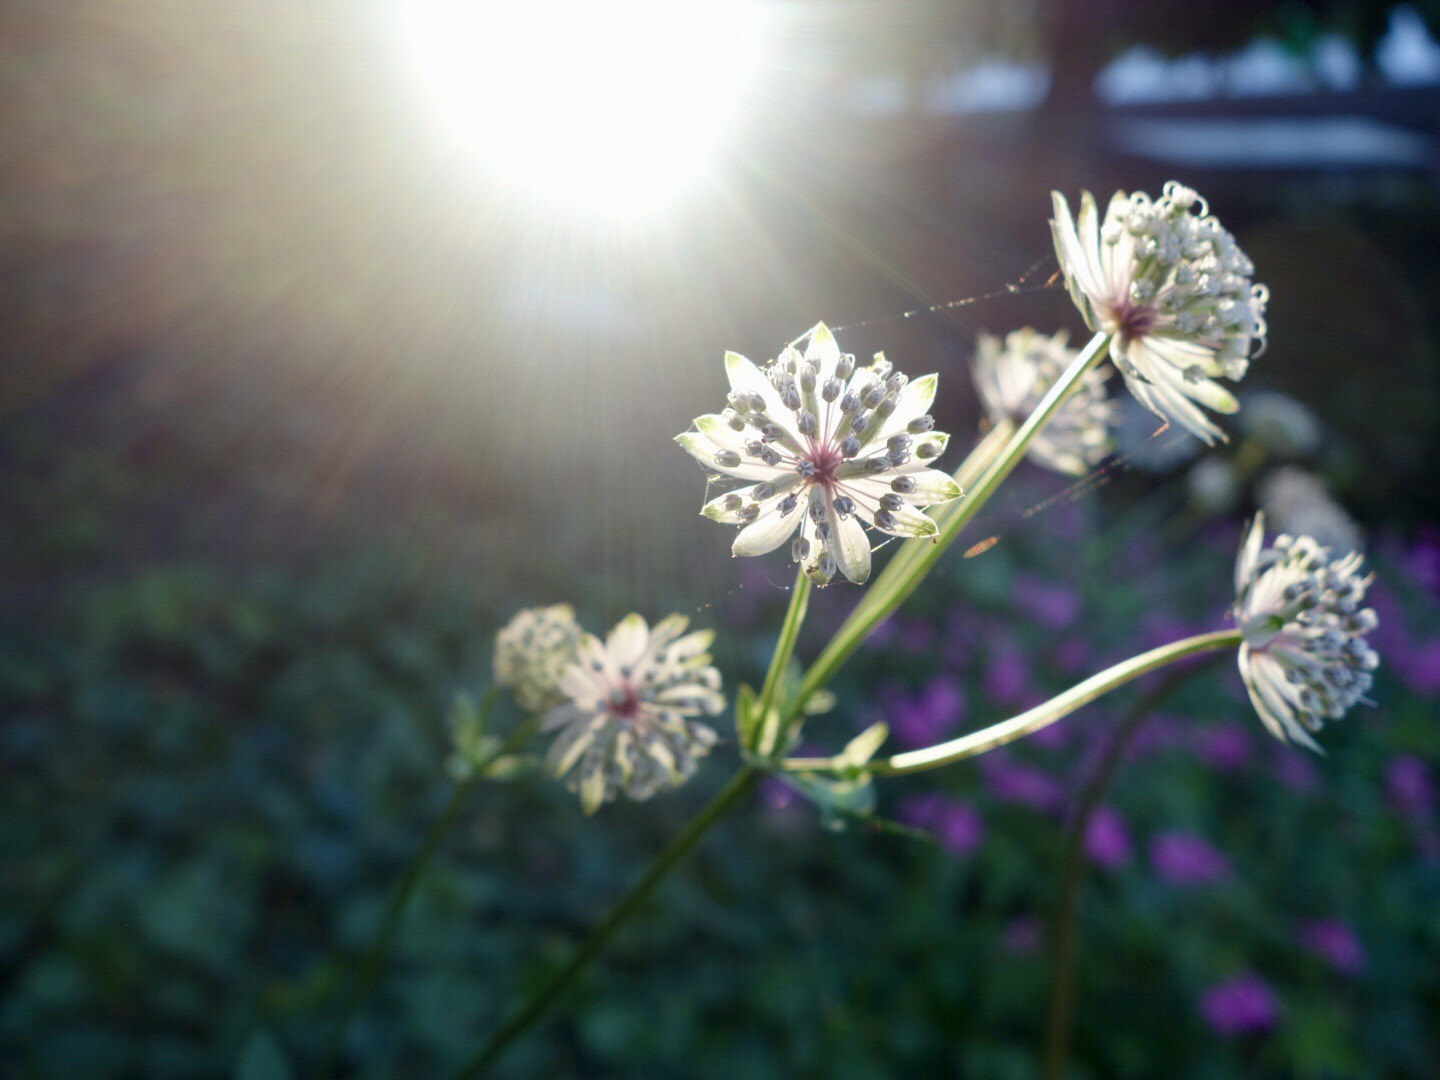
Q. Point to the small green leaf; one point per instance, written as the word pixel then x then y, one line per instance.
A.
pixel 746 722
pixel 838 801
pixel 859 750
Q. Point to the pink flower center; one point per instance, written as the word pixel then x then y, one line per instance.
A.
pixel 1131 320
pixel 826 459
pixel 624 703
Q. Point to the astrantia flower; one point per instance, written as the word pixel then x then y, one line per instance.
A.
pixel 1173 290
pixel 1014 375
pixel 825 446
pixel 627 721
pixel 1304 658
pixel 532 650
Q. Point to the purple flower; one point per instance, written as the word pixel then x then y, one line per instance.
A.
pixel 930 715
pixel 1072 655
pixel 1022 935
pixel 1418 666
pixel 1224 747
pixel 1295 770
pixel 1333 940
pixel 1422 561
pixel 1052 606
pixel 958 826
pixel 1009 781
pixel 1183 858
pixel 917 636
pixel 1006 673
pixel 1408 787
pixel 1243 1005
pixel 1052 736
pixel 776 794
pixel 1107 840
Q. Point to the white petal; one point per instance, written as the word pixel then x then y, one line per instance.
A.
pixel 823 350
pixel 914 400
pixel 703 450
pixel 627 641
pixel 1249 554
pixel 931 486
pixel 909 522
pixel 746 378
pixel 769 530
pixel 850 547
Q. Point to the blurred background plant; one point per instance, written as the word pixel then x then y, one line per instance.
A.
pixel 299 407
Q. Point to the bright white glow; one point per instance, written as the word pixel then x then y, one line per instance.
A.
pixel 611 103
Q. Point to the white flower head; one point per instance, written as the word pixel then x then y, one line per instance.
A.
pixel 1173 290
pixel 1014 375
pixel 1303 654
pixel 1280 423
pixel 627 721
pixel 532 650
pixel 826 446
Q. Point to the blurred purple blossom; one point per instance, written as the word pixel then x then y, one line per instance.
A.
pixel 1161 628
pixel 916 636
pixel 958 826
pixel 1335 941
pixel 1006 673
pixel 1052 606
pixel 1422 559
pixel 1418 666
pixel 1224 747
pixel 1011 781
pixel 1022 935
pixel 1053 736
pixel 1408 787
pixel 776 794
pixel 1107 839
pixel 1184 858
pixel 1295 769
pixel 927 717
pixel 1072 655
pixel 1243 1005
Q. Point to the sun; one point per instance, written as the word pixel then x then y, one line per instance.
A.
pixel 612 104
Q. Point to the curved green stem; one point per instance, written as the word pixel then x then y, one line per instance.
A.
pixel 887 595
pixel 770 737
pixel 1032 720
pixel 374 961
pixel 1062 985
pixel 535 1006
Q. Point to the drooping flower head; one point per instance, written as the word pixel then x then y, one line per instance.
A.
pixel 826 445
pixel 1303 657
pixel 1014 375
pixel 1173 290
pixel 532 650
pixel 627 721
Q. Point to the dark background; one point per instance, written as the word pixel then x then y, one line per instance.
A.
pixel 296 409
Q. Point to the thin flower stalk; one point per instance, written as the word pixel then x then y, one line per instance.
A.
pixel 1032 720
pixel 784 649
pixel 886 596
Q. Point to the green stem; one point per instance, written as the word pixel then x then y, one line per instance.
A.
pixel 374 961
pixel 770 737
pixel 1062 986
pixel 889 596
pixel 725 801
pixel 1031 721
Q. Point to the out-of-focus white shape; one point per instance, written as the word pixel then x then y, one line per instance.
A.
pixel 1336 62
pixel 1292 142
pixel 1142 74
pixel 612 105
pixel 1407 55
pixel 991 86
pixel 1263 67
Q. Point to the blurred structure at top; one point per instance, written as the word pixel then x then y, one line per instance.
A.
pixel 233 249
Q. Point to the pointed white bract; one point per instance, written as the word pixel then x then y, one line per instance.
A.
pixel 1012 376
pixel 627 721
pixel 532 650
pixel 1173 290
pixel 827 447
pixel 1303 656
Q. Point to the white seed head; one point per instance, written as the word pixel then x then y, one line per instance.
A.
pixel 532 650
